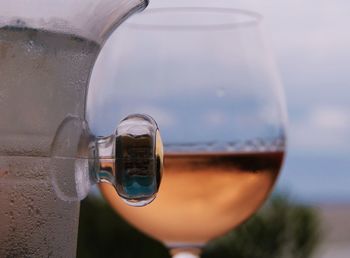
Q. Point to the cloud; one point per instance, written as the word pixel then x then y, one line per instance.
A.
pixel 322 129
pixel 216 118
pixel 330 118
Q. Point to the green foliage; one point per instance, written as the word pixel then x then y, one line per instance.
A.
pixel 281 229
pixel 103 234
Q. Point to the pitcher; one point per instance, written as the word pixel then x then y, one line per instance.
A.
pixel 47 51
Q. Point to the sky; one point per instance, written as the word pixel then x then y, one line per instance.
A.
pixel 312 48
pixel 311 45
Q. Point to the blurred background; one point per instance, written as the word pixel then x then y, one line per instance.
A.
pixel 309 214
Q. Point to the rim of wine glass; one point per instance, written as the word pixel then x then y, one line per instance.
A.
pixel 252 19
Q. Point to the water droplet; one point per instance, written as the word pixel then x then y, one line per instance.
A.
pixel 30 45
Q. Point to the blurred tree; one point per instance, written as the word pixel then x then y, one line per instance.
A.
pixel 281 229
pixel 104 234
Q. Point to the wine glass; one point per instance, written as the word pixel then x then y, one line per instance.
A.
pixel 207 77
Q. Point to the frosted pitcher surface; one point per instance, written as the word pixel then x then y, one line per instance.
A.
pixel 47 51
